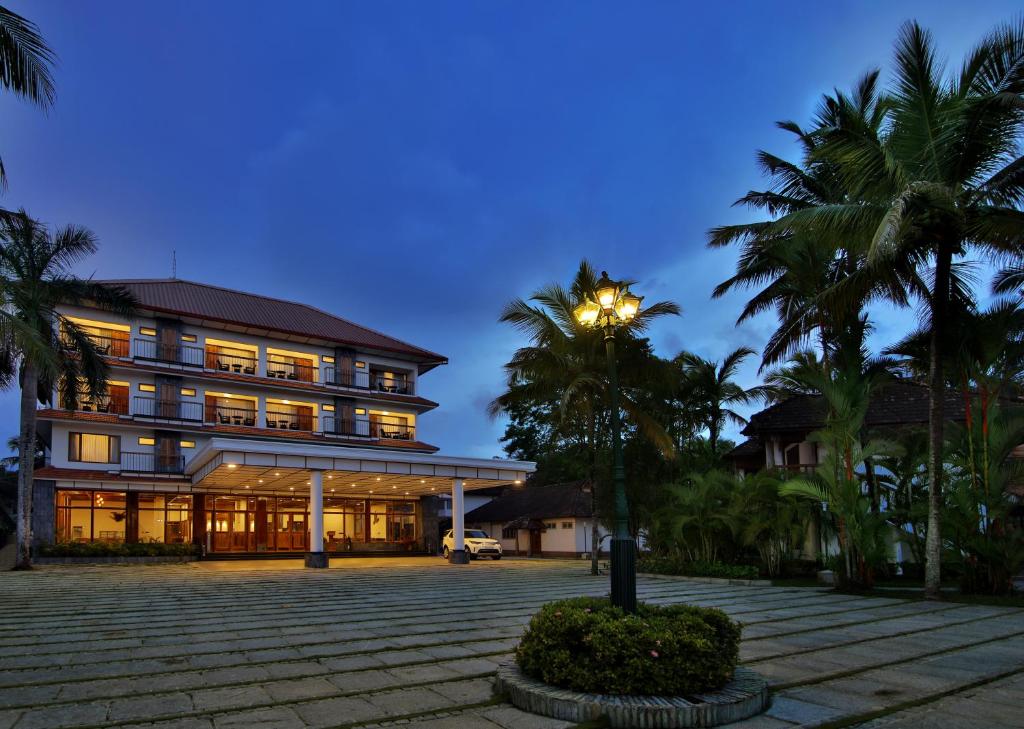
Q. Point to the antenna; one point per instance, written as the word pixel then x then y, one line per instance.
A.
pixel 174 264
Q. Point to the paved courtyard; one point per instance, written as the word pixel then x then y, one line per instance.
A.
pixel 416 641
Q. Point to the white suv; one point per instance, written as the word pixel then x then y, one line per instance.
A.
pixel 478 544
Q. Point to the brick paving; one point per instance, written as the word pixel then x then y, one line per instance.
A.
pixel 415 642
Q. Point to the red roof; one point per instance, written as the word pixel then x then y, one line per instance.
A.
pixel 203 301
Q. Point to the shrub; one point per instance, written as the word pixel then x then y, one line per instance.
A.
pixel 586 644
pixel 114 549
pixel 675 566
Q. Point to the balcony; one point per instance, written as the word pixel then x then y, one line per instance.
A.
pixel 231 415
pixel 138 462
pixel 300 421
pixel 333 425
pixel 108 342
pixel 151 407
pixel 237 361
pixel 342 378
pixel 171 353
pixel 391 428
pixel 111 404
pixel 291 370
pixel 395 384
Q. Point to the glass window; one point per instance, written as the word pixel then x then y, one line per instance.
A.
pixel 93 448
pixel 508 533
pixel 567 525
pixel 74 516
pixel 188 391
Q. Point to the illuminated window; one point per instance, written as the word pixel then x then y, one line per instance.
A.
pixel 360 365
pixel 188 338
pixel 327 408
pixel 147 331
pixel 360 411
pixel 188 444
pixel 567 525
pixel 144 387
pixel 146 441
pixel 328 360
pixel 92 448
pixel 188 391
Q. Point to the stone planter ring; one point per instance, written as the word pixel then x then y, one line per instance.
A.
pixel 744 696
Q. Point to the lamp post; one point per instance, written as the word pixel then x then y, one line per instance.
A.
pixel 615 306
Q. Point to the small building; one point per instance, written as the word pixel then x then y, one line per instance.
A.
pixel 541 521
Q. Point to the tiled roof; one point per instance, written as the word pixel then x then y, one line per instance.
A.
pixel 535 502
pixel 750 448
pixel 213 303
pixel 894 404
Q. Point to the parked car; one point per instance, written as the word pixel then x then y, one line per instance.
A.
pixel 478 544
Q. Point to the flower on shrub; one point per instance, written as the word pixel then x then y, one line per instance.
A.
pixel 586 644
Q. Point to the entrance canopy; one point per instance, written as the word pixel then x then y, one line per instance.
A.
pixel 225 464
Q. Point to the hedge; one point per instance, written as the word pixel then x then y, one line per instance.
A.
pixel 586 644
pixel 116 549
pixel 673 566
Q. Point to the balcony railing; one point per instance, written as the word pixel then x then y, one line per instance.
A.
pixel 151 407
pixel 340 378
pixel 338 426
pixel 396 385
pixel 229 415
pixel 152 462
pixel 392 429
pixel 291 371
pixel 183 354
pixel 291 421
pixel 225 362
pixel 109 345
pixel 103 404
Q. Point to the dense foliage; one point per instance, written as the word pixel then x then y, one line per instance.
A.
pixel 118 549
pixel 586 644
pixel 674 566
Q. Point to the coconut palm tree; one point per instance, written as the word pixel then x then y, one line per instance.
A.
pixel 711 387
pixel 25 64
pixel 565 363
pixel 40 346
pixel 943 179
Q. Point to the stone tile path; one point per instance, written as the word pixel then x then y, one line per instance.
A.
pixel 414 642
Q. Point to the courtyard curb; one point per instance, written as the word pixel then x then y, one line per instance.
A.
pixel 744 696
pixel 709 580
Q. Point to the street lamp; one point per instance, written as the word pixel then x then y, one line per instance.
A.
pixel 615 306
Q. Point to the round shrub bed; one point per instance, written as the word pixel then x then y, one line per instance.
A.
pixel 587 645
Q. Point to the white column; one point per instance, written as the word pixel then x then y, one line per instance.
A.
pixel 458 523
pixel 316 511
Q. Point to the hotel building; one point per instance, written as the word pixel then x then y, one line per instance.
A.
pixel 249 425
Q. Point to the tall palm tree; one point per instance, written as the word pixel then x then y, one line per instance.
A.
pixel 712 387
pixel 25 64
pixel 39 345
pixel 565 363
pixel 942 178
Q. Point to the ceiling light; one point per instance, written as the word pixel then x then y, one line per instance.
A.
pixel 378 478
pixel 291 488
pixel 232 465
pixel 261 480
pixel 276 473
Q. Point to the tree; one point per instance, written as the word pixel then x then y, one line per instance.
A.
pixel 25 62
pixel 564 366
pixel 713 389
pixel 40 346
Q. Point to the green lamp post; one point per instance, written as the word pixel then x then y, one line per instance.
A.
pixel 615 307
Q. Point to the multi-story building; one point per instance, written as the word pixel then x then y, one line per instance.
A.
pixel 248 425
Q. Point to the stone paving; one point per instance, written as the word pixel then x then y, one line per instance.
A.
pixel 415 642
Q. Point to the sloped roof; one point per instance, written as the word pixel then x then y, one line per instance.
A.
pixel 535 502
pixel 214 303
pixel 894 404
pixel 750 448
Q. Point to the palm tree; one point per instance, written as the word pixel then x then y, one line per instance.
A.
pixel 713 389
pixel 942 178
pixel 38 344
pixel 565 363
pixel 25 62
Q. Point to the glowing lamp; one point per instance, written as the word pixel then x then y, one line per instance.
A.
pixel 607 292
pixel 628 305
pixel 587 312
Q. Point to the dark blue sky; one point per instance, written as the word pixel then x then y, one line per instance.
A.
pixel 412 166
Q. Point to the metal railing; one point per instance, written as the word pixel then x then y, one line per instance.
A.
pixel 109 345
pixel 103 404
pixel 152 462
pixel 334 425
pixel 291 371
pixel 168 352
pixel 151 407
pixel 226 362
pixel 291 421
pixel 391 428
pixel 340 378
pixel 229 415
pixel 383 383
